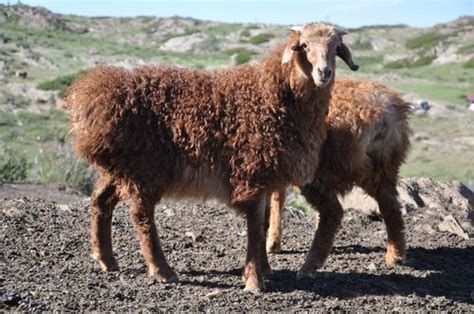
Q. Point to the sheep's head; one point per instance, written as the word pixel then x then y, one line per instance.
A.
pixel 314 48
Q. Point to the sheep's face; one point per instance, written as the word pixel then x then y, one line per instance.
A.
pixel 314 48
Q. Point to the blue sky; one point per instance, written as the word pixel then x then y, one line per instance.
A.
pixel 348 13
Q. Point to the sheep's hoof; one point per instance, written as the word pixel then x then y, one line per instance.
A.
pixel 106 264
pixel 173 279
pixel 253 287
pixel 273 247
pixel 166 276
pixel 394 256
pixel 392 260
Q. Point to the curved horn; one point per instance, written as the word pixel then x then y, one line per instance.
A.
pixel 345 54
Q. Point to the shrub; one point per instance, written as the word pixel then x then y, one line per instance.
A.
pixel 245 33
pixel 466 49
pixel 261 38
pixel 13 164
pixel 427 40
pixel 61 166
pixel 242 58
pixel 469 64
pixel 60 83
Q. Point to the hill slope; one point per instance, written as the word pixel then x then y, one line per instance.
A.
pixel 51 49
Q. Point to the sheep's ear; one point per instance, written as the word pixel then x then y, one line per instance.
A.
pixel 287 54
pixel 293 46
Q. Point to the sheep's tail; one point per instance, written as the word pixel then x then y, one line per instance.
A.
pixel 94 101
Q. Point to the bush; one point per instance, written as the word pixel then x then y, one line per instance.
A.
pixel 60 83
pixel 469 64
pixel 13 165
pixel 61 166
pixel 426 41
pixel 261 38
pixel 242 58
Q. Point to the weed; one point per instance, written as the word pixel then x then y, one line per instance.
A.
pixel 13 164
pixel 261 38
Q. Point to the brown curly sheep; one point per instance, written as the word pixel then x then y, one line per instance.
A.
pixel 368 139
pixel 233 135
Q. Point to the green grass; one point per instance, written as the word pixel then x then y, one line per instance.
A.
pixel 469 64
pixel 425 41
pixel 244 55
pixel 13 165
pixel 409 63
pixel 433 90
pixel 60 83
pixel 466 48
pixel 443 157
pixel 261 38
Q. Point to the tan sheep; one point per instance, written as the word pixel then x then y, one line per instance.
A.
pixel 368 139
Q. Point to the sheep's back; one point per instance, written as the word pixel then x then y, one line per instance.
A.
pixel 368 132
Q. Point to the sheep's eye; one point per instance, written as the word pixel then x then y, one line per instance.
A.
pixel 304 46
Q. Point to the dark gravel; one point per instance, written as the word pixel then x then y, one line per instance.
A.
pixel 45 263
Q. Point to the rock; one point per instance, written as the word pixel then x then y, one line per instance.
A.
pixel 415 193
pixel 21 73
pixel 372 267
pixel 184 43
pixel 3 17
pixel 294 213
pixel 213 293
pixel 194 237
pixel 450 224
pixel 11 298
pixel 169 212
pixel 36 17
pixel 64 207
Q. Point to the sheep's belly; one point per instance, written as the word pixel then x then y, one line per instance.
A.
pixel 199 183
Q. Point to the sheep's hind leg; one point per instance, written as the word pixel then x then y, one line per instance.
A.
pixel 274 231
pixel 330 217
pixel 103 201
pixel 386 197
pixel 142 215
pixel 253 270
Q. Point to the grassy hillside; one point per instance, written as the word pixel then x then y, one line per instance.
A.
pixel 434 64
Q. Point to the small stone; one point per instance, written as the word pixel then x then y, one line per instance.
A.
pixel 169 212
pixel 11 298
pixel 63 207
pixel 213 293
pixel 372 267
pixel 194 237
pixel 450 224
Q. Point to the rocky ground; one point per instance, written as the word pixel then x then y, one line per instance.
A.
pixel 45 263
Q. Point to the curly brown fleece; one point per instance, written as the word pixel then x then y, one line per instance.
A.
pixel 232 134
pixel 368 139
pixel 148 125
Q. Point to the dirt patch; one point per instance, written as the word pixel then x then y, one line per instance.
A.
pixel 45 263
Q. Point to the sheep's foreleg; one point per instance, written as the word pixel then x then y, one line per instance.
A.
pixel 330 217
pixel 386 197
pixel 103 201
pixel 274 231
pixel 142 215
pixel 253 270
